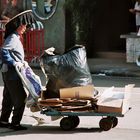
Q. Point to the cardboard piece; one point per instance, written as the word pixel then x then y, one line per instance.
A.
pixel 112 101
pixel 81 92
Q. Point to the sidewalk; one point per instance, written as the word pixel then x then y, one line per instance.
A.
pixel 47 128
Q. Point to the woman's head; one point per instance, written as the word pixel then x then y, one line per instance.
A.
pixel 21 29
pixel 12 2
pixel 23 18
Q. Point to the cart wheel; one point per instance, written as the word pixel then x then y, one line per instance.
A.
pixel 76 120
pixel 66 123
pixel 105 124
pixel 115 121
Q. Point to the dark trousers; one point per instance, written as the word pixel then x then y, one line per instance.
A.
pixel 14 97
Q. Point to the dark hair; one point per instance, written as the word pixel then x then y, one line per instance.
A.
pixel 10 28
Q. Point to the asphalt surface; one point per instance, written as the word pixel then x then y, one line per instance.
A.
pixel 114 67
pixel 108 67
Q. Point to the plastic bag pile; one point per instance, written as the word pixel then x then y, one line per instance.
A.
pixel 67 70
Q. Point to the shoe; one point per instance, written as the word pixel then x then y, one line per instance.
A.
pixel 18 127
pixel 4 124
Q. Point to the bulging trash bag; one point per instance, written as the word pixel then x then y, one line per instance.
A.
pixel 67 70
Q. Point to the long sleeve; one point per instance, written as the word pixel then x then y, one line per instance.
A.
pixel 6 57
pixel 12 50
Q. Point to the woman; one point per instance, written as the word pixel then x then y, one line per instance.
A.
pixel 12 54
pixel 10 11
pixel 136 11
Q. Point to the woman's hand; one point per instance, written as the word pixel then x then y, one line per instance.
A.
pixel 132 11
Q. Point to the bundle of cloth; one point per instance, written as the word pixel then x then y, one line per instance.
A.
pixel 31 82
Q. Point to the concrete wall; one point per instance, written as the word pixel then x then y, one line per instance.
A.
pixel 54 27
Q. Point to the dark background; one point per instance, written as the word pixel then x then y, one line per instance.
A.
pixel 108 19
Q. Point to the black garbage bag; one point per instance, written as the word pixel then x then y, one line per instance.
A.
pixel 67 70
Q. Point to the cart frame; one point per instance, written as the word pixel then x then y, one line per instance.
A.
pixel 71 119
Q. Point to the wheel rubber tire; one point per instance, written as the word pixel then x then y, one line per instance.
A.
pixel 66 123
pixel 115 121
pixel 105 124
pixel 76 120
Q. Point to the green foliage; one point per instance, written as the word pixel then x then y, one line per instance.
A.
pixel 81 9
pixel 82 15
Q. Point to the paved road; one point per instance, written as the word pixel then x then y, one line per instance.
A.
pixel 128 127
pixel 117 81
